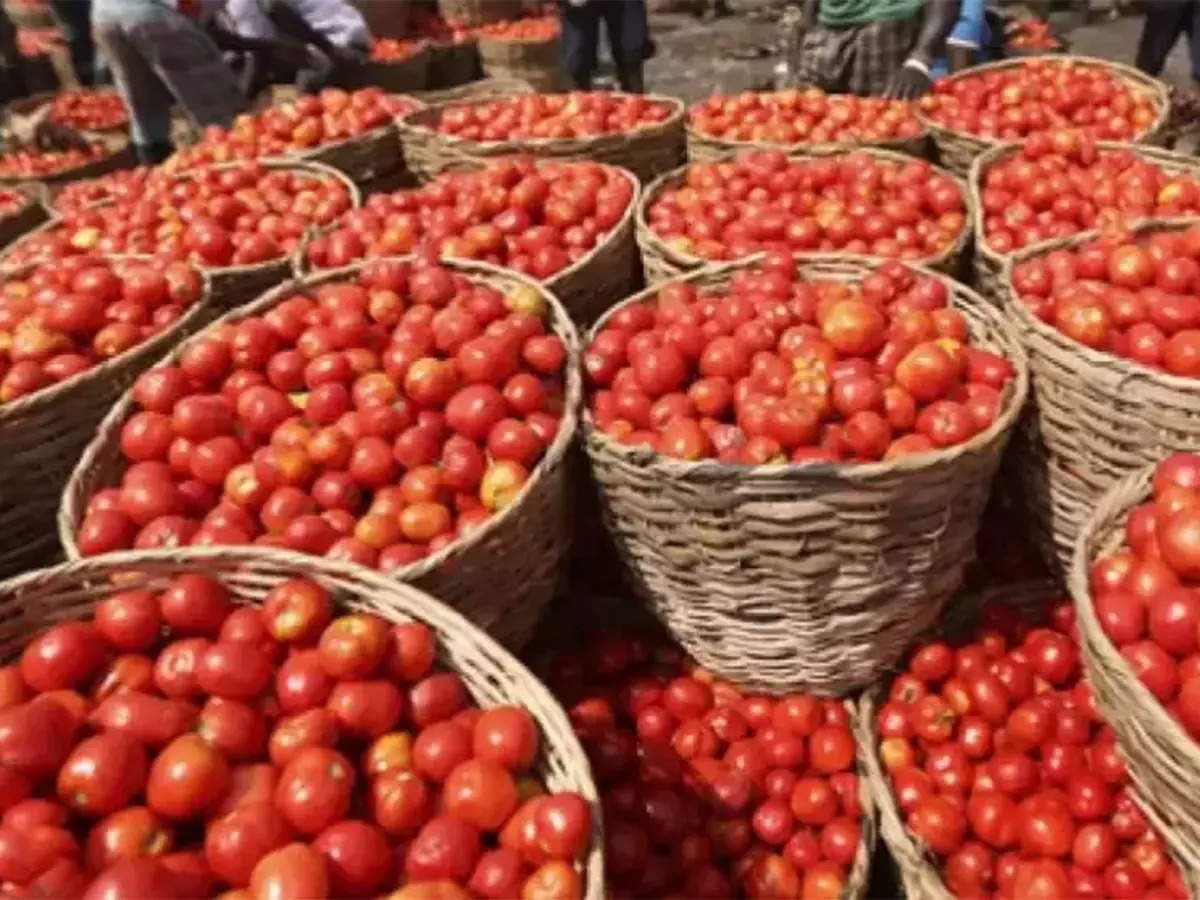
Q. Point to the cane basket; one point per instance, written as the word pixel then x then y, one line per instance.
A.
pixel 119 155
pixel 364 156
pixel 537 62
pixel 702 147
pixel 493 676
pixel 803 577
pixel 503 574
pixel 473 91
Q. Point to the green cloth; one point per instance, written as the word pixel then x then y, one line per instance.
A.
pixel 840 13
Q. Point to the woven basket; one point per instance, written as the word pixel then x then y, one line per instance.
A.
pixel 43 434
pixel 400 77
pixel 663 262
pixel 452 63
pixel 813 577
pixel 362 157
pixel 471 13
pixel 1096 417
pixel 646 152
pixel 25 219
pixel 957 150
pixel 1163 760
pixel 537 62
pixel 989 264
pixel 500 577
pixel 121 156
pixel 478 91
pixel 703 148
pixel 27 105
pixel 490 673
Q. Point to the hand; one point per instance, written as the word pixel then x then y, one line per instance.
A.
pixel 908 84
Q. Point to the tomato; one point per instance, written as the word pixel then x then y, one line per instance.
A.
pixel 36 737
pixel 353 646
pixel 315 789
pixel 294 870
pixel 195 604
pixel 187 779
pixel 237 841
pixel 153 721
pixel 358 857
pixel 444 848
pixel 938 823
pixel 102 774
pixel 130 832
pixel 64 656
pixel 552 881
pixel 129 620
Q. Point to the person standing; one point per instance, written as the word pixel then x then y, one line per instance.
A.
pixel 159 56
pixel 872 47
pixel 73 18
pixel 1166 21
pixel 12 79
pixel 627 26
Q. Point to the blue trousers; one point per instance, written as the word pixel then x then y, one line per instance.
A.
pixel 628 30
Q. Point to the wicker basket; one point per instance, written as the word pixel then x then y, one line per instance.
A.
pixel 537 62
pixel 1163 760
pixel 663 262
pixel 452 63
pixel 120 156
pixel 402 76
pixel 43 434
pixel 704 148
pixel 28 105
pixel 478 91
pixel 989 264
pixel 646 152
pixel 491 674
pixel 362 157
pixel 470 13
pixel 1096 417
pixel 957 150
pixel 503 575
pixel 813 577
pixel 25 219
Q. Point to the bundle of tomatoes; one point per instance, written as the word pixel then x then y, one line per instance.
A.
pixel 708 792
pixel 12 201
pixel 1041 94
pixel 807 116
pixel 377 420
pixel 393 49
pixel 122 185
pixel 1144 593
pixel 237 215
pixel 533 29
pixel 1002 767
pixel 579 114
pixel 1060 183
pixel 331 116
pixel 857 203
pixel 535 217
pixel 32 163
pixel 95 110
pixel 1136 299
pixel 776 367
pixel 177 745
pixel 60 319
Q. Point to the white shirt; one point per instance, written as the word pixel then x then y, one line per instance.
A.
pixel 337 20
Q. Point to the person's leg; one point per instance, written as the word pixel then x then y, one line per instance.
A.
pixel 1165 21
pixel 580 27
pixel 628 28
pixel 143 91
pixel 12 79
pixel 73 19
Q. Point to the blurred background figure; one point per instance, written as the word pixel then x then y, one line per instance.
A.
pixel 1166 21
pixel 12 81
pixel 627 28
pixel 74 20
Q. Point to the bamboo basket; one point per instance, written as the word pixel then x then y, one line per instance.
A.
pixel 957 150
pixel 705 148
pixel 491 674
pixel 476 91
pixel 452 63
pixel 803 577
pixel 43 434
pixel 403 76
pixel 537 62
pixel 25 219
pixel 1163 759
pixel 646 152
pixel 663 262
pixel 989 265
pixel 503 574
pixel 1096 417
pixel 478 12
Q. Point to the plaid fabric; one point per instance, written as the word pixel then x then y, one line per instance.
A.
pixel 857 59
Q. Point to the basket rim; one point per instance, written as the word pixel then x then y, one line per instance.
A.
pixel 72 503
pixel 115 146
pixel 50 394
pixel 1126 368
pixel 1146 83
pixel 683 259
pixel 847 471
pixel 415 602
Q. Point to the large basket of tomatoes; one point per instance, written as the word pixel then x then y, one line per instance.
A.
pixel 801 121
pixel 687 220
pixel 1109 324
pixel 1055 813
pixel 397 66
pixel 21 210
pixel 974 110
pixel 183 722
pixel 1059 183
pixel 80 331
pixel 513 212
pixel 483 89
pixel 527 49
pixel 799 530
pixel 408 416
pixel 472 13
pixel 1133 579
pixel 22 166
pixel 643 134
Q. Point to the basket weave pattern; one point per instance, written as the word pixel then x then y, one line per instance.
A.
pixel 537 62
pixel 502 575
pixel 491 675
pixel 452 64
pixel 811 577
pixel 25 219
pixel 705 148
pixel 478 12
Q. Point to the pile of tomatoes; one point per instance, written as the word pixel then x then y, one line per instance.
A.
pixel 60 319
pixel 1134 298
pixel 579 114
pixel 1144 594
pixel 12 201
pixel 331 116
pixel 1060 183
pixel 176 745
pixel 1002 767
pixel 533 29
pixel 219 216
pixel 708 792
pixel 537 218
pixel 807 116
pixel 1031 34
pixel 1039 95
pixel 95 110
pixel 377 420
pixel 121 185
pixel 393 49
pixel 23 163
pixel 774 367
pixel 857 203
